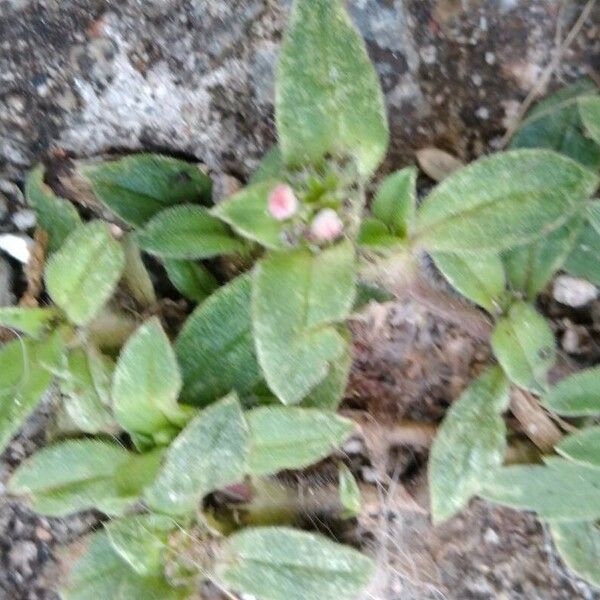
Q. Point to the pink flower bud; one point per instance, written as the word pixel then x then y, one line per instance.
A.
pixel 282 202
pixel 326 226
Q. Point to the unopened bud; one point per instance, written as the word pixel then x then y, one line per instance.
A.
pixel 282 202
pixel 326 226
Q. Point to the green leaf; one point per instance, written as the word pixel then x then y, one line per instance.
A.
pixel 593 214
pixel 86 404
pixel 102 574
pixel 524 345
pixel 55 215
pixel 31 321
pixel 589 109
pixel 502 201
pixel 292 438
pixel 395 201
pixel 582 446
pixel 560 490
pixel 215 347
pixel 576 395
pixel 74 475
pixel 583 260
pixel 138 187
pixel 555 123
pixel 271 166
pixel 350 497
pixel 247 213
pixel 481 279
pixel 140 541
pixel 187 231
pixel 210 453
pixel 328 99
pixel 579 546
pixel 25 375
pixel 469 444
pixel 84 273
pixel 531 267
pixel 375 235
pixel 328 394
pixel 147 383
pixel 192 280
pixel 296 298
pixel 278 563
pixel 135 275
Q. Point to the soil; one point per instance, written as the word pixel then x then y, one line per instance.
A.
pixel 194 78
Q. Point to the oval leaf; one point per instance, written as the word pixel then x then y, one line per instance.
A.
pixel 192 280
pixel 470 443
pixel 579 546
pixel 502 201
pixel 55 215
pixel 583 260
pixel 576 395
pixel 210 453
pixel 187 231
pixel 524 345
pixel 350 497
pixel 589 109
pixel 147 383
pixel 277 563
pixel 582 447
pixel 138 187
pixel 84 273
pixel 292 438
pixel 215 348
pixel 328 99
pixel 395 201
pixel 31 321
pixel 296 297
pixel 560 490
pixel 481 279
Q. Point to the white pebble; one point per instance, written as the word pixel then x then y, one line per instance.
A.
pixel 482 113
pixel 428 54
pixel 24 219
pixel 490 58
pixel 17 246
pixel 573 291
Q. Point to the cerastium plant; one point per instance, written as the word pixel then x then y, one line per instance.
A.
pixel 152 433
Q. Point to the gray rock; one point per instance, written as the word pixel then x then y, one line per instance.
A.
pixel 6 296
pixel 573 291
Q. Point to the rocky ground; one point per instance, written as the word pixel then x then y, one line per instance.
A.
pixel 195 78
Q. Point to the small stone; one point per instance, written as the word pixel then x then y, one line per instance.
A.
pixel 573 291
pixel 477 79
pixel 22 555
pixel 369 474
pixel 43 534
pixel 24 219
pixel 490 58
pixel 428 54
pixel 353 446
pixel 570 342
pixel 17 246
pixel 490 536
pixel 482 113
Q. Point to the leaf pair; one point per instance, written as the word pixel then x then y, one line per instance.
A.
pixel 223 445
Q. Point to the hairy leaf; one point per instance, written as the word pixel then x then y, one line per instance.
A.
pixel 576 395
pixel 524 345
pixel 589 109
pixel 135 275
pixel 350 497
pixel 102 574
pixel 86 403
pixel 501 201
pixel 147 383
pixel 555 123
pixel 582 446
pixel 84 273
pixel 579 546
pixel 470 443
pixel 193 280
pixel 296 298
pixel 138 187
pixel 31 321
pixel 187 231
pixel 481 279
pixel 278 563
pixel 560 490
pixel 328 99
pixel 211 452
pixel 140 541
pixel 531 267
pixel 292 438
pixel 271 166
pixel 55 215
pixel 74 475
pixel 247 213
pixel 583 260
pixel 215 348
pixel 395 201
pixel 376 235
